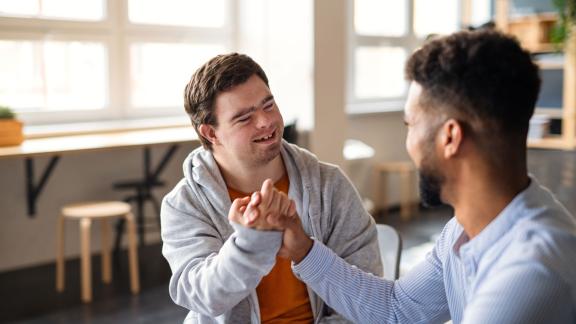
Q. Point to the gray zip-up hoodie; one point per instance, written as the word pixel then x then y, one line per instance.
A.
pixel 216 266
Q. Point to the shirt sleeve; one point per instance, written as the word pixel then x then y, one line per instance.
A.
pixel 364 298
pixel 527 292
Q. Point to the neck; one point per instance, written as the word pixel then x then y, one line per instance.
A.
pixel 248 179
pixel 481 192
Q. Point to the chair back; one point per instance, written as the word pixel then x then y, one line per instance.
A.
pixel 290 133
pixel 390 245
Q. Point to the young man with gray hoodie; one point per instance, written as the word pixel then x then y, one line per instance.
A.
pixel 227 273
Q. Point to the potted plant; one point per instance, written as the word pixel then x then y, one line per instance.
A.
pixel 566 24
pixel 10 128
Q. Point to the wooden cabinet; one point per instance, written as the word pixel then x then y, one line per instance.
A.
pixel 533 31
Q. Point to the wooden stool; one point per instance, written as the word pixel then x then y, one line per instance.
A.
pixel 406 171
pixel 102 211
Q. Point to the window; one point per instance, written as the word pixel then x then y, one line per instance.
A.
pixel 70 60
pixel 283 45
pixel 383 35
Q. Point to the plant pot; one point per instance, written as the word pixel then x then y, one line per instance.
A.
pixel 11 132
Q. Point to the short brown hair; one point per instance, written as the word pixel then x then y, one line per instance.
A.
pixel 219 74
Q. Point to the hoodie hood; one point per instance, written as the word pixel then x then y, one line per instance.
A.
pixel 202 173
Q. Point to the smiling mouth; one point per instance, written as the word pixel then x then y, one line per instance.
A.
pixel 266 138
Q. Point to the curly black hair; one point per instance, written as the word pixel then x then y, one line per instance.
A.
pixel 483 77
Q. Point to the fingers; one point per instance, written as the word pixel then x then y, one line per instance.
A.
pixel 252 210
pixel 284 204
pixel 256 198
pixel 267 192
pixel 292 209
pixel 236 209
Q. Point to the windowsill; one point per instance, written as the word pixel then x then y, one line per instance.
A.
pixel 370 108
pixel 54 130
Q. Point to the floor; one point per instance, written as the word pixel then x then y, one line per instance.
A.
pixel 28 295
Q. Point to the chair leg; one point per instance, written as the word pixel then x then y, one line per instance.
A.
pixel 383 191
pixel 120 226
pixel 140 216
pixel 133 255
pixel 405 203
pixel 86 271
pixel 156 208
pixel 106 259
pixel 60 266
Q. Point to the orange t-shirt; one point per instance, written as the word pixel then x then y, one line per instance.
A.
pixel 281 296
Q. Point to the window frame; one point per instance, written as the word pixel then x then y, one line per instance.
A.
pixel 116 33
pixel 409 42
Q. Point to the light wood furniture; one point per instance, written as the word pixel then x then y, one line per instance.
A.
pixel 54 147
pixel 567 140
pixel 86 213
pixel 406 171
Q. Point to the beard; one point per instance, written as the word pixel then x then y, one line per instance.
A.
pixel 430 186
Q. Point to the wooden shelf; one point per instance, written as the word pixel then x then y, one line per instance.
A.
pixel 533 32
pixel 552 142
pixel 553 113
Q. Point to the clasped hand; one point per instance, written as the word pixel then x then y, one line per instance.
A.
pixel 270 209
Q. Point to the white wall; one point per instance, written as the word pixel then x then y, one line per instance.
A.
pixel 89 176
pixel 386 133
pixel 28 241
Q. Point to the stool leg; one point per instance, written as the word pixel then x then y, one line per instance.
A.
pixel 405 204
pixel 412 192
pixel 380 190
pixel 106 258
pixel 383 179
pixel 133 254
pixel 60 266
pixel 85 260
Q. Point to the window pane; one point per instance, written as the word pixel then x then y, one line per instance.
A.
pixel 50 75
pixel 380 18
pixel 160 71
pixel 199 13
pixel 379 72
pixel 444 19
pixel 62 9
pixel 481 12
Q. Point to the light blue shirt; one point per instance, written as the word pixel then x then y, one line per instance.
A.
pixel 520 269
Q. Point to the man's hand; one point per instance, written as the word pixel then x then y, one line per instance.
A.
pixel 295 242
pixel 270 209
pixel 253 211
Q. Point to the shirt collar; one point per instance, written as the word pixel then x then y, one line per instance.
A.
pixel 500 225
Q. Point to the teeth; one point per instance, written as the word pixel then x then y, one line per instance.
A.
pixel 265 137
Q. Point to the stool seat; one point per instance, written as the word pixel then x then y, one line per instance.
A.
pixel 86 213
pixel 96 209
pixel 406 171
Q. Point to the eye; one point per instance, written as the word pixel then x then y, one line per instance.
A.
pixel 269 106
pixel 244 119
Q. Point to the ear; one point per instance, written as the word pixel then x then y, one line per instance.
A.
pixel 208 132
pixel 451 137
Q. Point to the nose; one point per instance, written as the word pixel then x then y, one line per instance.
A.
pixel 263 119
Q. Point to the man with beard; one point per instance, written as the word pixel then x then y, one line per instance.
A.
pixel 229 274
pixel 509 253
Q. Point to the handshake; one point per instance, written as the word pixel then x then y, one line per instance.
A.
pixel 272 210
